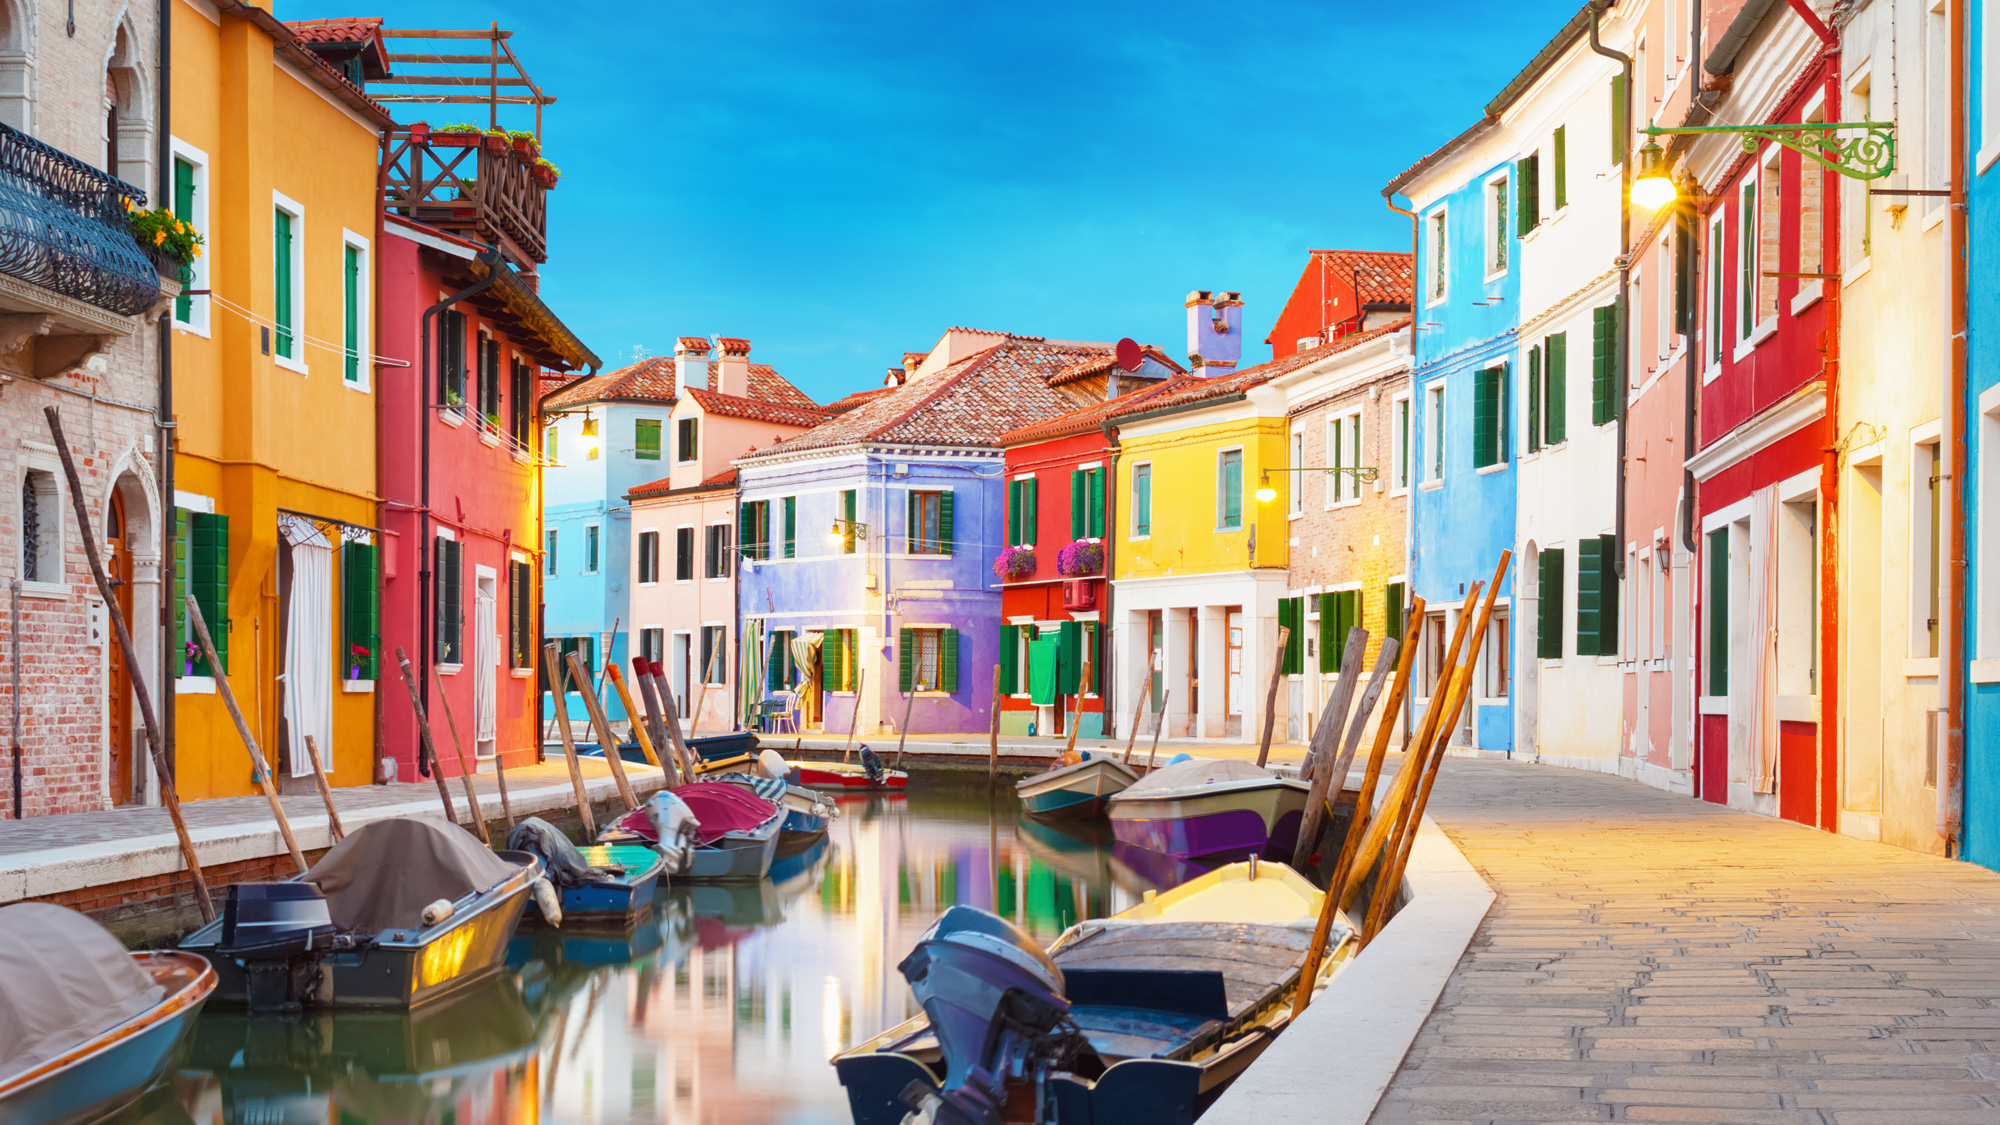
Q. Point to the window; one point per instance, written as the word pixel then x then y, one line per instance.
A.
pixel 1549 609
pixel 1295 501
pixel 1436 265
pixel 717 557
pixel 1498 236
pixel 1339 614
pixel 591 540
pixel 202 570
pixel 790 515
pixel 649 557
pixel 521 630
pixel 1229 490
pixel 1534 397
pixel 1086 503
pixel 1658 563
pixel 1559 161
pixel 1434 436
pixel 849 499
pixel 1605 394
pixel 1663 297
pixel 590 439
pixel 1854 202
pixel 1400 438
pixel 1717 240
pixel 1596 597
pixel 1812 214
pixel 1394 599
pixel 521 400
pixel 684 440
pixel 1620 125
pixel 489 378
pixel 781 668
pixel 714 660
pixel 1292 618
pixel 549 554
pixel 1142 500
pixel 1769 227
pixel 288 263
pixel 839 654
pixel 1926 557
pixel 549 442
pixel 354 291
pixel 753 528
pixel 360 612
pixel 929 659
pixel 1493 662
pixel 1489 416
pixel 684 554
pixel 1021 512
pixel 451 360
pixel 1746 260
pixel 646 439
pixel 448 599
pixel 1528 192
pixel 1343 444
pixel 1715 606
pixel 653 645
pixel 191 207
pixel 929 522
pixel 1682 245
pixel 41 528
pixel 1431 655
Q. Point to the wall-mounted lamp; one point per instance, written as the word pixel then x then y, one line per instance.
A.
pixel 1266 493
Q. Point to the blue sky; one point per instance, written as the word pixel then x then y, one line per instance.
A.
pixel 839 183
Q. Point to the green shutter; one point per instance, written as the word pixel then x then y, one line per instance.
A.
pixel 184 211
pixel 1392 612
pixel 1683 245
pixel 1095 498
pixel 1013 513
pixel 948 660
pixel 832 666
pixel 351 294
pixel 1010 660
pixel 1608 631
pixel 1527 193
pixel 208 581
pixel 1070 642
pixel 182 559
pixel 905 656
pixel 1484 439
pixel 1561 177
pixel 1534 399
pixel 1288 618
pixel 361 612
pixel 1619 126
pixel 281 249
pixel 945 541
pixel 1077 525
pixel 912 527
pixel 1142 500
pixel 1603 364
pixel 1328 662
pixel 1555 397
pixel 745 533
pixel 1031 511
pixel 1549 611
pixel 1718 612
pixel 791 507
pixel 1590 580
pixel 646 439
pixel 1232 490
pixel 774 664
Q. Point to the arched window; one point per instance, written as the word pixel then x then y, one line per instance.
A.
pixel 17 67
pixel 129 141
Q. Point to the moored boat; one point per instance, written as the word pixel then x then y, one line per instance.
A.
pixel 736 833
pixel 1144 1017
pixel 866 775
pixel 1075 792
pixel 605 883
pixel 85 1026
pixel 1210 810
pixel 401 912
pixel 807 811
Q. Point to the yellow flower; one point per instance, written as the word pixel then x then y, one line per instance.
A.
pixel 159 236
pixel 127 203
pixel 197 249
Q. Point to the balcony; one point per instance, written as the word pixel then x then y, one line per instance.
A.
pixel 471 185
pixel 71 277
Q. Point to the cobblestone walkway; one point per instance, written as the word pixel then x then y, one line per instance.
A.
pixel 1655 958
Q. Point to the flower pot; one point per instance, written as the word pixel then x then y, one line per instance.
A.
pixel 456 140
pixel 496 144
pixel 189 670
pixel 544 177
pixel 526 147
pixel 420 132
pixel 354 672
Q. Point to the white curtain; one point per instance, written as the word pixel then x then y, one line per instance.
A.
pixel 1761 720
pixel 486 660
pixel 309 648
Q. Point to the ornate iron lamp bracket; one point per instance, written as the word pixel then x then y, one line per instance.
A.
pixel 1868 155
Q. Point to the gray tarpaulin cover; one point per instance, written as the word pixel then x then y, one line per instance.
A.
pixel 1198 771
pixel 63 980
pixel 382 876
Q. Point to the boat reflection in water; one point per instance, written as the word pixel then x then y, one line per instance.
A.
pixel 724 1004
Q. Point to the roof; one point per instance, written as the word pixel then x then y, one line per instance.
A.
pixel 766 384
pixel 1575 29
pixel 757 410
pixel 649 380
pixel 971 402
pixel 652 380
pixel 287 43
pixel 1381 277
pixel 346 29
pixel 665 485
pixel 1189 391
pixel 1097 413
pixel 849 402
pixel 1099 364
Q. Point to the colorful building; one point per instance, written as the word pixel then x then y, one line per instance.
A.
pixel 275 476
pixel 1976 510
pixel 690 539
pixel 1054 601
pixel 902 504
pixel 1340 293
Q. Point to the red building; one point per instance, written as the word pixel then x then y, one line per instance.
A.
pixel 1340 293
pixel 1060 501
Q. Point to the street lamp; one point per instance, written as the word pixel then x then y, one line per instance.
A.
pixel 1266 493
pixel 1653 189
pixel 846 531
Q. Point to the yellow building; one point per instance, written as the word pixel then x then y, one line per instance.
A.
pixel 1198 563
pixel 274 452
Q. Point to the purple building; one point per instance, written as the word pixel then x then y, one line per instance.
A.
pixel 868 542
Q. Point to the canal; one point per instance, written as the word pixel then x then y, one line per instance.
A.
pixel 724 1006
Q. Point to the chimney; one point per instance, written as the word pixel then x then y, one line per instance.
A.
pixel 1215 331
pixel 733 374
pixel 895 377
pixel 690 363
pixel 911 362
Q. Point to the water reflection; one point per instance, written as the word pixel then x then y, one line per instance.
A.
pixel 723 1006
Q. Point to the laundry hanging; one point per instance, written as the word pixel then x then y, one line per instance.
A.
pixel 309 641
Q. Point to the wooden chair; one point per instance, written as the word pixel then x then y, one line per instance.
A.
pixel 783 715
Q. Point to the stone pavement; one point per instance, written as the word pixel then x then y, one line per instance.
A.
pixel 1656 958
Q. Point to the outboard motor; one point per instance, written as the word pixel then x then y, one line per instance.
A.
pixel 871 765
pixel 995 1002
pixel 278 933
pixel 678 830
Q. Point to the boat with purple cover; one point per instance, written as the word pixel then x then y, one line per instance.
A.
pixel 737 837
pixel 1210 810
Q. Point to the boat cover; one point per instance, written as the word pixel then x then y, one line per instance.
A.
pixel 1198 771
pixel 723 808
pixel 383 875
pixel 565 865
pixel 63 980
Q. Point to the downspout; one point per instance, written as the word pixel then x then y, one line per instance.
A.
pixel 423 544
pixel 1409 504
pixel 1693 380
pixel 1826 764
pixel 1951 779
pixel 374 376
pixel 164 420
pixel 1623 334
pixel 1106 700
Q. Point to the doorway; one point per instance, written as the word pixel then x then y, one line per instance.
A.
pixel 1193 670
pixel 486 665
pixel 1234 686
pixel 677 673
pixel 118 684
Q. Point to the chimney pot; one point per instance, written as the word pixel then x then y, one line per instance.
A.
pixel 1215 331
pixel 690 363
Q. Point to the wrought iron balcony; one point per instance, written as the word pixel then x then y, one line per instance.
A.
pixel 63 228
pixel 468 184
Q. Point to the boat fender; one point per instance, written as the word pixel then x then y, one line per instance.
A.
pixel 437 912
pixel 548 902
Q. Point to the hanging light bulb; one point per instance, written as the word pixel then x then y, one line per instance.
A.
pixel 1265 493
pixel 1653 189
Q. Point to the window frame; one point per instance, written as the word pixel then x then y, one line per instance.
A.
pixel 1497 252
pixel 1140 527
pixel 715 551
pixel 593 548
pixel 687 440
pixel 199 308
pixel 52 518
pixel 1343 427
pixel 1437 263
pixel 1402 409
pixel 550 541
pixel 646 555
pixel 931 545
pixel 357 353
pixel 296 273
pixel 691 555
pixel 639 451
pixel 1221 485
pixel 1295 499
pixel 1437 420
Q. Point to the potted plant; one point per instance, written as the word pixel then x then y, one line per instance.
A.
pixel 193 653
pixel 545 173
pixel 525 143
pixel 420 132
pixel 357 659
pixel 172 244
pixel 454 399
pixel 493 420
pixel 458 135
pixel 1014 563
pixel 496 140
pixel 1081 559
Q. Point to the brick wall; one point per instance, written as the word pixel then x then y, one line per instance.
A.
pixel 1363 541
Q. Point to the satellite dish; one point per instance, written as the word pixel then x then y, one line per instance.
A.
pixel 1130 354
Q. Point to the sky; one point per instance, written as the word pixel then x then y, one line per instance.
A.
pixel 840 183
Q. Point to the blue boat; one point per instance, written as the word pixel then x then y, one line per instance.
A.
pixel 1075 792
pixel 602 883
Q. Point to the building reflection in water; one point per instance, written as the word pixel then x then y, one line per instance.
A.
pixel 722 1008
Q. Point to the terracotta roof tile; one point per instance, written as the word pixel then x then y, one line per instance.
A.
pixel 665 485
pixel 348 29
pixel 694 343
pixel 766 384
pixel 1196 389
pixel 849 402
pixel 1097 365
pixel 733 345
pixel 1382 277
pixel 734 406
pixel 652 380
pixel 1090 417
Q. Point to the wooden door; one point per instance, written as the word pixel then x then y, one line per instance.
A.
pixel 1193 669
pixel 118 685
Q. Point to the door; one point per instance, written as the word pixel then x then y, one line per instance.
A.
pixel 677 673
pixel 1233 687
pixel 118 686
pixel 486 657
pixel 1156 655
pixel 1194 670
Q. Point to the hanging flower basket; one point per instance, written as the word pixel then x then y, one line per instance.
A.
pixel 525 144
pixel 1081 560
pixel 1014 563
pixel 456 136
pixel 545 173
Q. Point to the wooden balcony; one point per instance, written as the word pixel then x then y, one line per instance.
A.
pixel 474 186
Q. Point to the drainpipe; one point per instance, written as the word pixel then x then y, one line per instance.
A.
pixel 494 266
pixel 374 376
pixel 1693 353
pixel 1409 502
pixel 1623 334
pixel 1106 700
pixel 164 421
pixel 1951 779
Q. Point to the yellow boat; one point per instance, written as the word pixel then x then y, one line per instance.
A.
pixel 1156 1008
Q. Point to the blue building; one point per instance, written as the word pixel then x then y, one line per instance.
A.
pixel 1465 380
pixel 1981 816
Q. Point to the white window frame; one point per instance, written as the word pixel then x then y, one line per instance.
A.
pixel 1855 201
pixel 1243 501
pixel 1295 493
pixel 1132 532
pixel 1349 457
pixel 1746 261
pixel 1436 420
pixel 1921 439
pixel 551 541
pixel 1494 206
pixel 593 566
pixel 282 202
pixel 53 510
pixel 1437 262
pixel 639 556
pixel 1985 587
pixel 1715 321
pixel 1798 573
pixel 1402 466
pixel 1811 289
pixel 697 554
pixel 198 305
pixel 363 328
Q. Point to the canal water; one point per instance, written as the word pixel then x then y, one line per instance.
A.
pixel 723 1007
